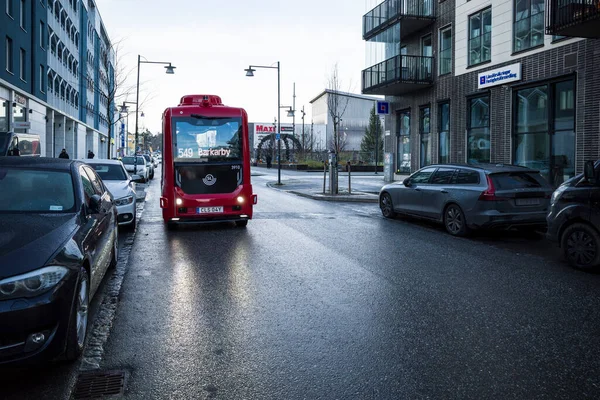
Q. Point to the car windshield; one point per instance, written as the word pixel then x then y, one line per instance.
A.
pixel 110 172
pixel 516 180
pixel 36 191
pixel 206 139
pixel 131 160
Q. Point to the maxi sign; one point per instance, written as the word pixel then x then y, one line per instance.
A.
pixel 499 76
pixel 264 129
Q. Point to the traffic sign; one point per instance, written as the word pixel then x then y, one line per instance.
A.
pixel 277 136
pixel 383 107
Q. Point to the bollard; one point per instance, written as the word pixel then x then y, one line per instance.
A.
pixel 324 176
pixel 349 178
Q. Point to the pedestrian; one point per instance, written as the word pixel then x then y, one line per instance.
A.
pixel 90 154
pixel 63 154
pixel 269 161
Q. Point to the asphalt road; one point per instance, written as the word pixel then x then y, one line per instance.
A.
pixel 319 300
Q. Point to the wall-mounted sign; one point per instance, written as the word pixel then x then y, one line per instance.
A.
pixel 499 76
pixel 22 124
pixel 383 107
pixel 20 99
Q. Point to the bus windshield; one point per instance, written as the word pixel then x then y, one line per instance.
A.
pixel 207 139
pixel 4 142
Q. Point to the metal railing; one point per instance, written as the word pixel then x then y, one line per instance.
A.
pixel 390 10
pixel 402 68
pixel 565 13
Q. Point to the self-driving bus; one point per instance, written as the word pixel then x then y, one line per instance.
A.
pixel 206 163
pixel 19 144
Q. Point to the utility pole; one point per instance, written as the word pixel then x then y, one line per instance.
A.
pixel 294 112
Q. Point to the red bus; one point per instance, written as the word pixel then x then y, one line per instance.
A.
pixel 206 163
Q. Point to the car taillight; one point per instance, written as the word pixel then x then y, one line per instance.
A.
pixel 490 193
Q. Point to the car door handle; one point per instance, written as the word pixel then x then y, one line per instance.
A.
pixel 417 190
pixel 444 191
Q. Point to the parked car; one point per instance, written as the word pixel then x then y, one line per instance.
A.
pixel 466 197
pixel 574 218
pixel 121 186
pixel 138 167
pixel 150 164
pixel 59 235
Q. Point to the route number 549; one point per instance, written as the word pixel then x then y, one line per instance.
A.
pixel 186 153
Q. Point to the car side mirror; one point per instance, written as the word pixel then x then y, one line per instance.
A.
pixel 136 178
pixel 589 172
pixel 406 182
pixel 95 203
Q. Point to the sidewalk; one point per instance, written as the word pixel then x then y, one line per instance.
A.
pixel 364 188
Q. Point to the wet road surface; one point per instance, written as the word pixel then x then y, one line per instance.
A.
pixel 330 301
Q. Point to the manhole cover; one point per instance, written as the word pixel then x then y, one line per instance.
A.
pixel 99 384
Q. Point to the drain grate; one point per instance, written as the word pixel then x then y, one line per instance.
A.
pixel 98 384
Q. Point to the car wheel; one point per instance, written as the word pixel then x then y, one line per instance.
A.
pixel 79 318
pixel 241 224
pixel 581 246
pixel 386 205
pixel 454 221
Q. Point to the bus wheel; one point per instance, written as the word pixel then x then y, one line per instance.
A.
pixel 241 224
pixel 171 226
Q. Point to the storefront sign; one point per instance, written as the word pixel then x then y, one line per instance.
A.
pixel 499 76
pixel 20 99
pixel 22 124
pixel 261 130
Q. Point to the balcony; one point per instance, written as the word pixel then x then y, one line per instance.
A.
pixel 398 75
pixel 573 18
pixel 414 14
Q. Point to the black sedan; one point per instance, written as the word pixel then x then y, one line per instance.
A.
pixel 58 236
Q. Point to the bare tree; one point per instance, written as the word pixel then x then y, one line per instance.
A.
pixel 337 103
pixel 114 89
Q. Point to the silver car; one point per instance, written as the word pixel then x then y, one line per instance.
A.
pixel 466 197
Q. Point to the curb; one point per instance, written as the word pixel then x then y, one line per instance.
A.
pixel 361 197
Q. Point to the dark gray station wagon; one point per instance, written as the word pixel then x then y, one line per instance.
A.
pixel 465 197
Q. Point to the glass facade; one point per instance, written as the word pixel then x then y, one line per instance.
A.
pixel 445 58
pixel 444 132
pixel 425 131
pixel 383 46
pixel 478 130
pixel 528 24
pixel 544 136
pixel 403 140
pixel 480 37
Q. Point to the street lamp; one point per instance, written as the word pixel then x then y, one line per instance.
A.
pixel 250 73
pixel 303 142
pixel 125 110
pixel 169 70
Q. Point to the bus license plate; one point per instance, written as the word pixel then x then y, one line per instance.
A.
pixel 528 202
pixel 209 210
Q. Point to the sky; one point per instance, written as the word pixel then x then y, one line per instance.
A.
pixel 212 42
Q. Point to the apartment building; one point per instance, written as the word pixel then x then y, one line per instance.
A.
pixel 56 71
pixel 487 81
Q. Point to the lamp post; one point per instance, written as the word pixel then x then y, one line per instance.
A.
pixel 169 70
pixel 303 141
pixel 250 73
pixel 125 110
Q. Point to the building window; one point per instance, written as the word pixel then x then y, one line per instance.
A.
pixel 478 130
pixel 22 60
pixel 23 14
pixel 42 74
pixel 42 35
pixel 425 131
pixel 544 130
pixel 9 7
pixel 444 132
pixel 480 37
pixel 3 115
pixel 445 51
pixel 529 24
pixel 403 140
pixel 9 54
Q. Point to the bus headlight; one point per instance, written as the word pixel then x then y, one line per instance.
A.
pixel 179 202
pixel 240 200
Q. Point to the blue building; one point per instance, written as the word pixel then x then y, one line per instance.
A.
pixel 56 74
